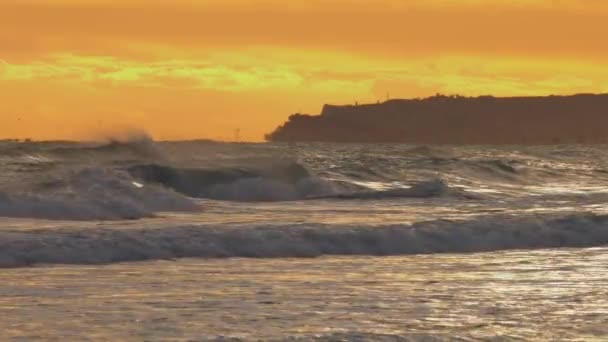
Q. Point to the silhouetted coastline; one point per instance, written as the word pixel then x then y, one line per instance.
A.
pixel 441 119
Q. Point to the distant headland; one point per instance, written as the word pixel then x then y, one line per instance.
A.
pixel 442 119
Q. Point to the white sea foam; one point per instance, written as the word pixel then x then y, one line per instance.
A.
pixel 93 194
pixel 110 244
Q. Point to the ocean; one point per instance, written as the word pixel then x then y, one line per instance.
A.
pixel 198 240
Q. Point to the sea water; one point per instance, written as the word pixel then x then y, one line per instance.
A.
pixel 202 240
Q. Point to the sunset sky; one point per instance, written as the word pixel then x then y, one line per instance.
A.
pixel 180 69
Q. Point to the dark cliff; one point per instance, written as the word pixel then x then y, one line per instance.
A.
pixel 457 120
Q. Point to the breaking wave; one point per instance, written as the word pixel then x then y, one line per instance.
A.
pixel 278 183
pixel 98 245
pixel 92 194
pixel 133 177
pixel 143 190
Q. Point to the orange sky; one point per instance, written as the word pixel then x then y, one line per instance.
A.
pixel 200 69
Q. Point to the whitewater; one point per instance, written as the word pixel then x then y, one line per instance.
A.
pixel 201 240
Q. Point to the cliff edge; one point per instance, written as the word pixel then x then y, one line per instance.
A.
pixel 440 119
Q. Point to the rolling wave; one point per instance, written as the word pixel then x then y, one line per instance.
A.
pixel 109 245
pixel 96 181
pixel 278 183
pixel 93 194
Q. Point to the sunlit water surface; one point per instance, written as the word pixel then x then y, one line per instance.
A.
pixel 546 294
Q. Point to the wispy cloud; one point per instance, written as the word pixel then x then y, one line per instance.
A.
pixel 323 72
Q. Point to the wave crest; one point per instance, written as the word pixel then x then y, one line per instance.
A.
pixel 93 194
pixel 107 245
pixel 427 189
pixel 279 183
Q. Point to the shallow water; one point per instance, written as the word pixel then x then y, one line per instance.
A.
pixel 545 294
